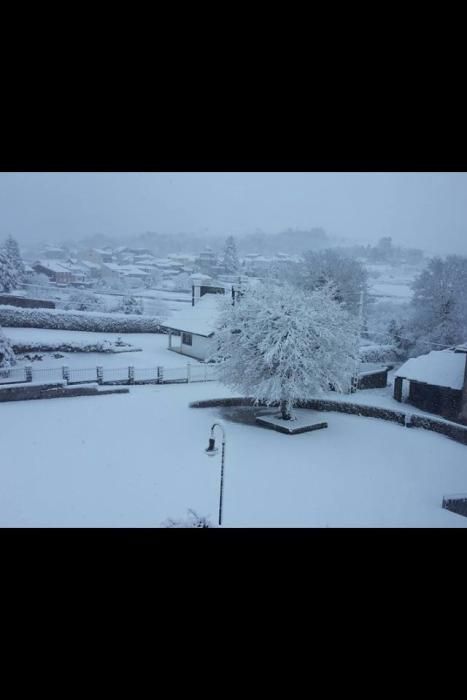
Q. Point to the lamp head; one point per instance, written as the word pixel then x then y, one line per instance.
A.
pixel 212 449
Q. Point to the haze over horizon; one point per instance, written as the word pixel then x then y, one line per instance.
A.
pixel 422 210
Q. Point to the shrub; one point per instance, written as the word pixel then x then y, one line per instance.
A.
pixel 77 320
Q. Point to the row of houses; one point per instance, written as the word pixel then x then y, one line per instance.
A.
pixel 139 266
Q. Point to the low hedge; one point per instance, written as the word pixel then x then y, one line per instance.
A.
pixel 56 319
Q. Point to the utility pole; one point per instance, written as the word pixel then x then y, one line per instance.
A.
pixel 357 362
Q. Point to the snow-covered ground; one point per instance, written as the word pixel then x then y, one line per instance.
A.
pixel 154 351
pixel 390 282
pixel 136 459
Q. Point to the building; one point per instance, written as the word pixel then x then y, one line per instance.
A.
pixel 208 262
pixel 132 275
pixel 437 382
pixel 194 326
pixel 54 271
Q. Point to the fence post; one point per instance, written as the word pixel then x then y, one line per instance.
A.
pixel 188 372
pixel 205 372
pixel 100 374
pixel 160 375
pixel 131 375
pixel 28 373
pixel 66 373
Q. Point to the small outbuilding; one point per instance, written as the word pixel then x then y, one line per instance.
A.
pixel 195 324
pixel 437 382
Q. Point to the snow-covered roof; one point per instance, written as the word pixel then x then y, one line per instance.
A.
pixel 199 319
pixel 52 265
pixel 461 348
pixel 439 368
pixel 91 265
pixel 125 269
pixel 199 277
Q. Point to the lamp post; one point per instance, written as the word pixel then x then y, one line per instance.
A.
pixel 211 450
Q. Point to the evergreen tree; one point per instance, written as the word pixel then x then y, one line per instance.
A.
pixel 7 356
pixel 230 260
pixel 12 251
pixel 280 343
pixel 8 273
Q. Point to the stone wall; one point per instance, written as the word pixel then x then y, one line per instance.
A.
pixel 455 432
pixel 373 380
pixel 25 303
pixel 27 392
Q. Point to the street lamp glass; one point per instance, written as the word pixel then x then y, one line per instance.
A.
pixel 212 449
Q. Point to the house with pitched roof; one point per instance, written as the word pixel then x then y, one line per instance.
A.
pixel 191 330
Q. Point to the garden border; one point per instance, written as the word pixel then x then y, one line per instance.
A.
pixel 450 430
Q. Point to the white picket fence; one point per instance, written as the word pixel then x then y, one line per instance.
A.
pixel 110 375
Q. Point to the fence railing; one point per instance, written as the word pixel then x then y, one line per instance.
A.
pixel 110 375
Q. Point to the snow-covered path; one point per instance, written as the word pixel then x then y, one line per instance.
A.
pixel 136 459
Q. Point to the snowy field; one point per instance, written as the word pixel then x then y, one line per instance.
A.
pixel 154 351
pixel 137 459
pixel 392 283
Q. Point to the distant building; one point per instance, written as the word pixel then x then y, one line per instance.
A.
pixel 207 262
pixel 54 271
pixel 98 255
pixel 54 253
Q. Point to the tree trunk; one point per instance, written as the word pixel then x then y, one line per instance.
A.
pixel 285 410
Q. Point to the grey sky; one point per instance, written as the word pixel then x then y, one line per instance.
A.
pixel 427 210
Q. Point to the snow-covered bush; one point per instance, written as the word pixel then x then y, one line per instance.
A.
pixel 280 343
pixel 7 356
pixel 70 346
pixel 77 320
pixel 83 301
pixel 129 305
pixel 378 353
pixel 192 520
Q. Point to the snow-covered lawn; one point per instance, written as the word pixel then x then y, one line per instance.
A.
pixel 154 349
pixel 136 459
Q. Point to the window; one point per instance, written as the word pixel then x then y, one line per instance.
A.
pixel 187 339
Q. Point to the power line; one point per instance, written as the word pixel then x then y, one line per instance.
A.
pixel 425 342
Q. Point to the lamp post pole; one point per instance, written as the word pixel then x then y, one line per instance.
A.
pixel 211 451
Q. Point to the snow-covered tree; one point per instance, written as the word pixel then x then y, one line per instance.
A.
pixel 11 248
pixel 439 305
pixel 329 265
pixel 283 344
pixel 84 301
pixel 7 356
pixel 230 259
pixel 8 274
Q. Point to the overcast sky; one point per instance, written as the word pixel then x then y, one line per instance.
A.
pixel 427 210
